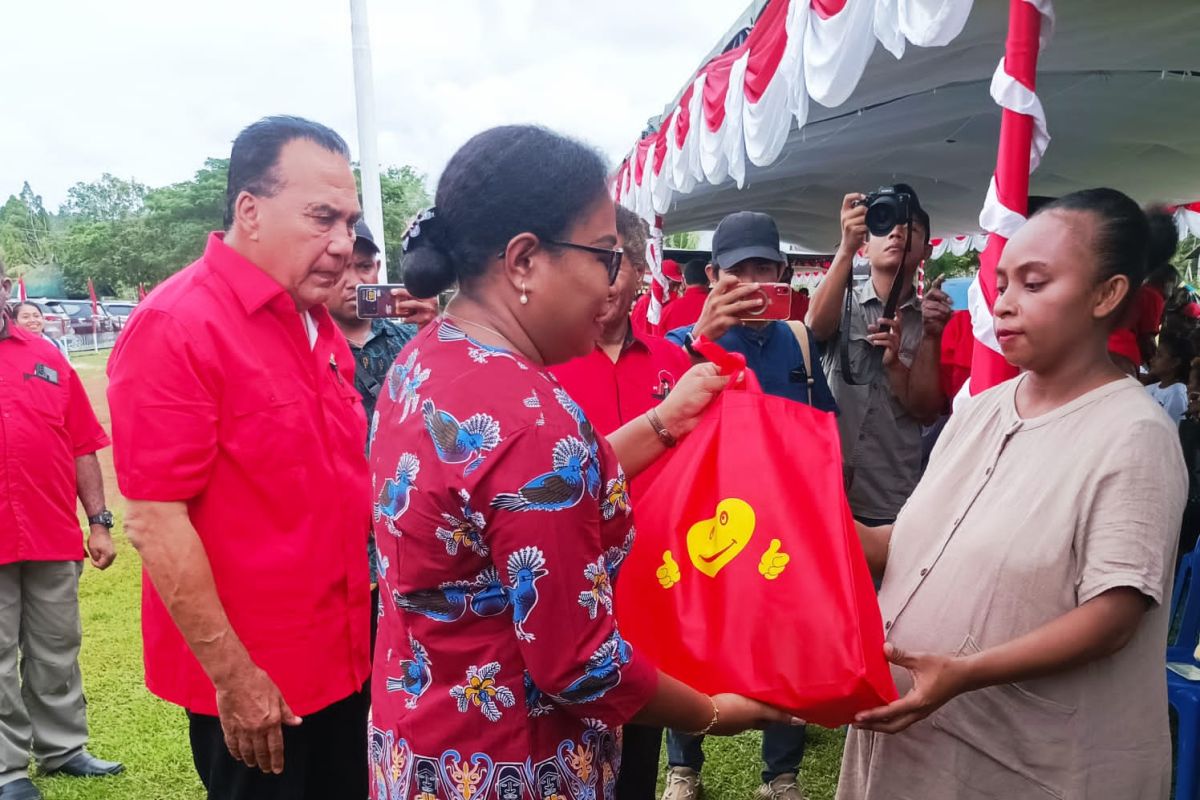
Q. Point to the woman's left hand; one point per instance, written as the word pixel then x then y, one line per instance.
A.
pixel 936 680
pixel 699 386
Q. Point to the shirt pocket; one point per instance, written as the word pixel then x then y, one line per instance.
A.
pixel 268 425
pixel 48 399
pixel 1021 743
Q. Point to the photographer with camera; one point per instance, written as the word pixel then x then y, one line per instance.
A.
pixel 882 348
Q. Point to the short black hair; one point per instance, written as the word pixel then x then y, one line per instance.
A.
pixel 503 182
pixel 695 272
pixel 1181 348
pixel 256 153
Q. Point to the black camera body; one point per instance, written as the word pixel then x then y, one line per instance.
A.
pixel 887 208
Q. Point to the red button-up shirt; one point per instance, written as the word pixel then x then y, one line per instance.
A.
pixel 219 401
pixel 46 423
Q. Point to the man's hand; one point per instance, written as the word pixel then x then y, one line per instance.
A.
pixel 886 334
pixel 936 309
pixel 252 712
pixel 854 223
pixel 100 547
pixel 725 305
pixel 409 309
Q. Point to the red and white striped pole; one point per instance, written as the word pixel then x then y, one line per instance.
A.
pixel 1023 139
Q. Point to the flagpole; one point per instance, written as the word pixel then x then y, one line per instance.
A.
pixel 368 151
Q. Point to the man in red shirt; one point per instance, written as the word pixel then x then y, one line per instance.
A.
pixel 239 444
pixel 685 310
pixel 48 442
pixel 641 324
pixel 626 375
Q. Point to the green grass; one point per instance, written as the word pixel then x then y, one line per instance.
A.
pixel 733 765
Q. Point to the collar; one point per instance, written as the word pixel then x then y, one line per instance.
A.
pixel 866 294
pixel 253 287
pixel 757 335
pixel 697 290
pixel 11 330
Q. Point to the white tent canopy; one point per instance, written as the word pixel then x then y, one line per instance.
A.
pixel 1119 82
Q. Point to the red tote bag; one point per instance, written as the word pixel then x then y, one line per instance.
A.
pixel 747 575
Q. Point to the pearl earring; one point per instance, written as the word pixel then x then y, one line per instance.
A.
pixel 524 295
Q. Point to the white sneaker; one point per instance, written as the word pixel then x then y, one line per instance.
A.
pixel 782 788
pixel 683 783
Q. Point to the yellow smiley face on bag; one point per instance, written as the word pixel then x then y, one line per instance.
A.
pixel 713 543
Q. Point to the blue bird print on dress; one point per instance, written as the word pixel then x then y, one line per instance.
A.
pixel 489 595
pixel 615 556
pixel 466 532
pixel 461 443
pixel 447 603
pixel 537 703
pixel 415 675
pixel 404 381
pixel 602 673
pixel 525 567
pixel 588 434
pixel 559 489
pixel 393 500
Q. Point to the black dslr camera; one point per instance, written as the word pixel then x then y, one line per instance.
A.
pixel 887 208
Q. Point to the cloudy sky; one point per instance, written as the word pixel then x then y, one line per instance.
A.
pixel 149 89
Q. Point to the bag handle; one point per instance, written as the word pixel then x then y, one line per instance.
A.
pixel 733 364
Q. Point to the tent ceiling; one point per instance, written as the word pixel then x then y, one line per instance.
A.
pixel 928 119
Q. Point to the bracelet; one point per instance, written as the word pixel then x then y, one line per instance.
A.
pixel 664 435
pixel 713 722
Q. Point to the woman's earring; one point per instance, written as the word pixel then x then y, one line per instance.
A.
pixel 524 295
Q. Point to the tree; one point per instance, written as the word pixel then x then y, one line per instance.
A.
pixel 404 196
pixel 107 199
pixel 682 241
pixel 952 266
pixel 26 238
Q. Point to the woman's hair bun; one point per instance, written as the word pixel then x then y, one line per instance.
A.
pixel 428 267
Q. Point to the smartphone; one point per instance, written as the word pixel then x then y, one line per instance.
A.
pixel 776 302
pixel 375 300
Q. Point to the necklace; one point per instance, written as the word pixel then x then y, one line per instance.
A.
pixel 492 331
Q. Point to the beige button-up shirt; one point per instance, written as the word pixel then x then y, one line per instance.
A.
pixel 1015 523
pixel 881 441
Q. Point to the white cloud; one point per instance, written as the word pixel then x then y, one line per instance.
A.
pixel 150 89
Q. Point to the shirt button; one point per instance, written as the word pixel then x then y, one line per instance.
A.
pixel 924 572
pixel 887 626
pixel 987 471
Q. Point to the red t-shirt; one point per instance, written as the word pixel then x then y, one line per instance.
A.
pixel 685 309
pixel 958 345
pixel 46 422
pixel 1148 305
pixel 218 400
pixel 502 520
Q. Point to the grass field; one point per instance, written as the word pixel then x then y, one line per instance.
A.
pixel 150 736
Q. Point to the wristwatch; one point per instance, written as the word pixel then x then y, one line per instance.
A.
pixel 104 518
pixel 687 345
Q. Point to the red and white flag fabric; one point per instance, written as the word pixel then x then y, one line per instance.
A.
pixel 92 294
pixel 22 295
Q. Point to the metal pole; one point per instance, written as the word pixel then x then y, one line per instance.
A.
pixel 368 151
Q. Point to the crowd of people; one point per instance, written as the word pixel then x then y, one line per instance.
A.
pixel 380 554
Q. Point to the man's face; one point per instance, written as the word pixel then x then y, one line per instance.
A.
pixel 887 252
pixel 623 289
pixel 756 270
pixel 363 267
pixel 306 230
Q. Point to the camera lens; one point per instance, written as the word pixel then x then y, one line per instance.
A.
pixel 882 215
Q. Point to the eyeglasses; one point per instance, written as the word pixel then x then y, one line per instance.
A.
pixel 611 260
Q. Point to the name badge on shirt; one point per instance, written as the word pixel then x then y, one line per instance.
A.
pixel 48 374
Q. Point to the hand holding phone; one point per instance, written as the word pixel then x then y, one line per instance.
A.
pixel 775 303
pixel 392 301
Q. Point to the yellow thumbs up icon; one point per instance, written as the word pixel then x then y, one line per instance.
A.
pixel 668 573
pixel 773 561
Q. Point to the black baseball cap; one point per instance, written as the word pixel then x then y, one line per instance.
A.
pixel 743 235
pixel 363 234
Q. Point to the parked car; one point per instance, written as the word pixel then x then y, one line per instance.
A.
pixel 79 314
pixel 119 310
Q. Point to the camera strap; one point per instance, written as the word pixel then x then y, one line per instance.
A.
pixel 875 362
